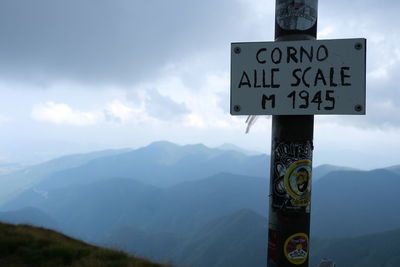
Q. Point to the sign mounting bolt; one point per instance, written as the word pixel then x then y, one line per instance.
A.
pixel 358 46
pixel 358 108
pixel 237 50
pixel 237 108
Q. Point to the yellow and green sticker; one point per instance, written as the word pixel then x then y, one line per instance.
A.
pixel 297 182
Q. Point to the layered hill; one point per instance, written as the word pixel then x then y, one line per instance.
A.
pixel 350 203
pixel 16 182
pixel 236 240
pixel 378 249
pixel 342 203
pixel 181 203
pixel 29 215
pixel 90 211
pixel 395 169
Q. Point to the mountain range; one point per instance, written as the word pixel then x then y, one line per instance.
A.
pixel 192 205
pixel 16 182
pixel 89 210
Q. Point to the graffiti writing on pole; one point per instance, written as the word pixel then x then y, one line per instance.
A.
pixel 292 176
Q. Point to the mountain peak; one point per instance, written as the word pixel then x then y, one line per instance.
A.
pixel 232 147
pixel 162 144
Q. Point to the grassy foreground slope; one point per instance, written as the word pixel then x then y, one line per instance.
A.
pixel 23 245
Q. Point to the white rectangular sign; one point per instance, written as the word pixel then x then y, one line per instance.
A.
pixel 298 77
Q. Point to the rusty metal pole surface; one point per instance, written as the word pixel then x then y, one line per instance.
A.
pixel 291 154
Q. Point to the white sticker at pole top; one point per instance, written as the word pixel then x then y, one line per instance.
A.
pixel 296 14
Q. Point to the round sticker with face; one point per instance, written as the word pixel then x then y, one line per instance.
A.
pixel 296 248
pixel 296 14
pixel 297 182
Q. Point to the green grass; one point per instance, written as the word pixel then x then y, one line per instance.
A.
pixel 24 245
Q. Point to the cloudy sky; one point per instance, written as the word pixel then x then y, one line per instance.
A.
pixel 84 75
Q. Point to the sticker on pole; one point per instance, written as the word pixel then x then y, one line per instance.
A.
pixel 298 182
pixel 298 77
pixel 296 14
pixel 296 248
pixel 292 175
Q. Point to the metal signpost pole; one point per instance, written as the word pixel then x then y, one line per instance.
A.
pixel 291 153
pixel 292 79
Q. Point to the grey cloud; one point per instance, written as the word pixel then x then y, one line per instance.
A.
pixel 224 101
pixel 378 22
pixel 354 6
pixel 382 104
pixel 110 117
pixel 108 41
pixel 382 109
pixel 163 107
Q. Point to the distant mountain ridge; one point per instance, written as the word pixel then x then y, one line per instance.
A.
pixel 395 169
pixel 6 167
pixel 168 161
pixel 29 215
pixel 161 164
pixel 324 169
pixel 232 147
pixel 16 182
pixel 178 163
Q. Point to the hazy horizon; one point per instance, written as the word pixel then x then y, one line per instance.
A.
pixel 225 146
pixel 81 76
